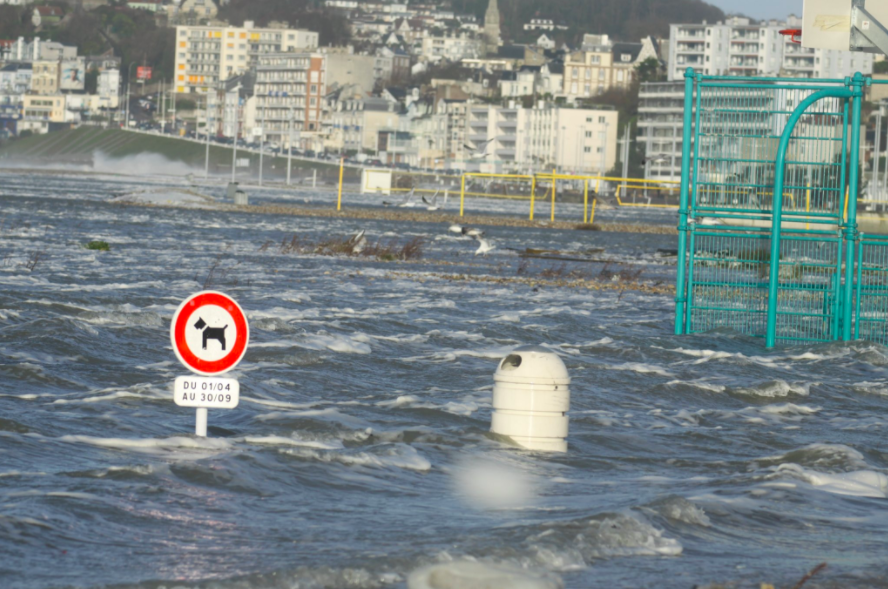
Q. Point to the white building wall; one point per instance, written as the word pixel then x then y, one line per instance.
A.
pixel 739 48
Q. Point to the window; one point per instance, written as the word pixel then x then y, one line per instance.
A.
pixel 620 76
pixel 601 120
pixel 587 149
pixel 601 74
pixel 626 57
pixel 588 73
pixel 573 88
pixel 588 133
pixel 574 73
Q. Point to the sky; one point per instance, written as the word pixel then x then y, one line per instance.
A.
pixel 760 8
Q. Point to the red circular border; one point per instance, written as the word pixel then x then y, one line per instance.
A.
pixel 180 322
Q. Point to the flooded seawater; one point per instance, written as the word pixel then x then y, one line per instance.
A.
pixel 360 456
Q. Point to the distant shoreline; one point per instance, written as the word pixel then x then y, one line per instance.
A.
pixel 353 212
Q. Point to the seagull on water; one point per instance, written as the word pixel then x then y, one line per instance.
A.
pixel 404 203
pixel 484 246
pixel 468 231
pixel 432 205
pixel 357 242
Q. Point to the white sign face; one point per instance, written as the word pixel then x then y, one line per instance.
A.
pixel 243 162
pixel 201 391
pixel 257 131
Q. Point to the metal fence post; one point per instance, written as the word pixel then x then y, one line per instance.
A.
pixel 462 194
pixel 856 84
pixel 533 185
pixel 680 297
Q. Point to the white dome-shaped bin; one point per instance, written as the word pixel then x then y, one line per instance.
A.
pixel 531 397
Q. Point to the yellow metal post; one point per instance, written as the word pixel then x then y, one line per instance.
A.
pixel 585 199
pixel 533 185
pixel 339 199
pixel 808 203
pixel 592 216
pixel 462 194
pixel 552 216
pixel 845 216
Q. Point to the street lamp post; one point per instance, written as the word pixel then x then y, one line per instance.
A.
pixel 262 136
pixel 126 111
pixel 207 131
pixel 234 151
pixel 290 145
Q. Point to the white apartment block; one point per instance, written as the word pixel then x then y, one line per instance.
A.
pixel 207 55
pixel 738 47
pixel 581 141
pixel 289 91
pixel 660 124
pixel 452 48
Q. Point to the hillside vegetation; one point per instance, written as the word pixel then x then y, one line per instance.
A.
pixel 626 20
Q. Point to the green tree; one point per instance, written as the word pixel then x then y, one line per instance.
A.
pixel 649 70
pixel 880 67
pixel 14 22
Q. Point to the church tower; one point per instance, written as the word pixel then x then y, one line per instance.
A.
pixel 492 39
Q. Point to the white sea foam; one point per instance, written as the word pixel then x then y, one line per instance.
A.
pixel 777 388
pixel 284 441
pixel 680 509
pixel 451 356
pixel 466 406
pixel 699 384
pixel 385 456
pixel 183 448
pixel 472 574
pixel 641 368
pixel 860 483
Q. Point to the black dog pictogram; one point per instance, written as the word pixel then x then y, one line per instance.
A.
pixel 216 333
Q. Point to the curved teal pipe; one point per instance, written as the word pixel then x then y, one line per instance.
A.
pixel 780 164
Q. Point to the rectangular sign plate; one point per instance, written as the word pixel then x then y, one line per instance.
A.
pixel 205 391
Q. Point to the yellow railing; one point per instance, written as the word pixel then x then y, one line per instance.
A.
pixel 520 177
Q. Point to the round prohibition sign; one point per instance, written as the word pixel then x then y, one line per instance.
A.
pixel 209 333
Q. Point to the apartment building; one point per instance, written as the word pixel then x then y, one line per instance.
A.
pixel 512 138
pixel 660 124
pixel 740 47
pixel 206 55
pixel 289 91
pixel 355 125
pixel 601 65
pixel 451 47
pixel 45 77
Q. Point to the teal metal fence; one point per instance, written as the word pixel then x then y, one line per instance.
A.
pixel 766 225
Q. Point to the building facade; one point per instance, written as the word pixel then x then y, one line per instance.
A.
pixel 289 90
pixel 206 55
pixel 575 140
pixel 740 47
pixel 660 124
